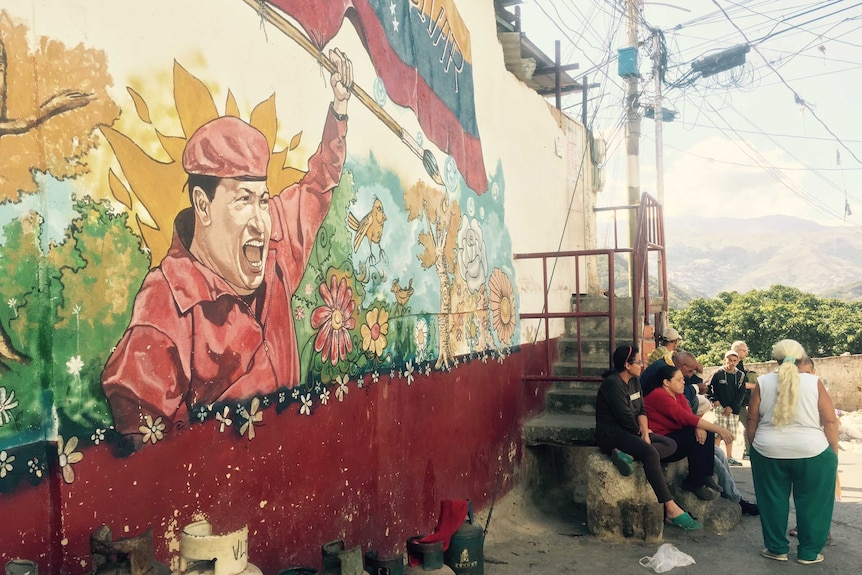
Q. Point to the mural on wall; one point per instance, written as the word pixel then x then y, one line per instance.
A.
pixel 214 282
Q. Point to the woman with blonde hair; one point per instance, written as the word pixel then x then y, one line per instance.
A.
pixel 794 448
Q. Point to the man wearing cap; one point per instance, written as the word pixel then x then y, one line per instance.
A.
pixel 726 392
pixel 741 349
pixel 669 341
pixel 213 322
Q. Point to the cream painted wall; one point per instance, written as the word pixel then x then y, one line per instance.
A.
pixel 541 177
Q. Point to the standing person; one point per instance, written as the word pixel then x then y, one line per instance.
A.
pixel 741 349
pixel 668 342
pixel 726 392
pixel 794 448
pixel 622 431
pixel 213 322
pixel 669 414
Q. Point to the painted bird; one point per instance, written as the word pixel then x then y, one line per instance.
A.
pixel 371 227
pixel 402 294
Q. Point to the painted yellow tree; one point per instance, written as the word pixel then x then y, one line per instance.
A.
pixel 438 240
pixel 52 97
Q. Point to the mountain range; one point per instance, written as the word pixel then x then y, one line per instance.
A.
pixel 706 256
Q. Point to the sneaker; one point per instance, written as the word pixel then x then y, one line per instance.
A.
pixel 623 462
pixel 818 559
pixel 733 462
pixel 746 456
pixel 770 555
pixel 702 492
pixel 749 508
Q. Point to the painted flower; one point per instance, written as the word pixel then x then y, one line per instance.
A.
pixel 306 404
pixel 471 253
pixel 6 463
pixel 427 369
pixel 282 397
pixel 253 416
pixel 68 456
pixel 408 372
pixel 375 376
pixel 153 430
pixel 334 320
pixel 374 330
pixel 324 397
pixel 299 313
pixel 98 436
pixel 35 466
pixel 502 305
pixel 360 381
pixel 392 373
pixel 7 404
pixel 74 365
pixel 223 419
pixel 342 389
pixel 420 337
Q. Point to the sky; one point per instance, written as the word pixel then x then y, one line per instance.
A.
pixel 742 143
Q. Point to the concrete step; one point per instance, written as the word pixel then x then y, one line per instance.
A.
pixel 570 368
pixel 597 327
pixel 574 401
pixel 588 385
pixel 560 429
pixel 590 347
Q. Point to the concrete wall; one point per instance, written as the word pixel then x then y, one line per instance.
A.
pixel 408 345
pixel 841 375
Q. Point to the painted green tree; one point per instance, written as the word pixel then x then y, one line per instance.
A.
pixel 66 310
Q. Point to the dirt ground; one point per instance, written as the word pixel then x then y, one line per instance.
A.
pixel 524 539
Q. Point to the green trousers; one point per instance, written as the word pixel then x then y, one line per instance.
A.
pixel 812 482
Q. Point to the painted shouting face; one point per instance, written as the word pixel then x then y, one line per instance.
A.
pixel 233 231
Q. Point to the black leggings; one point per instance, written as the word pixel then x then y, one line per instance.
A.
pixel 649 454
pixel 701 457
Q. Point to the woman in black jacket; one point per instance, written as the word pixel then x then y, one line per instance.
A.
pixel 622 431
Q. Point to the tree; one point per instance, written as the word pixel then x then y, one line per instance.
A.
pixel 824 327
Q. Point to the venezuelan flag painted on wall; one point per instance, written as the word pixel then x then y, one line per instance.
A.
pixel 421 51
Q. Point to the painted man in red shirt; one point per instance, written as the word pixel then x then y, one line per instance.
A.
pixel 213 322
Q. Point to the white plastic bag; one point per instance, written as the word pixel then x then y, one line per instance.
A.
pixel 666 558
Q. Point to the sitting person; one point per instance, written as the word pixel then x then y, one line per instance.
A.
pixel 669 414
pixel 688 365
pixel 622 431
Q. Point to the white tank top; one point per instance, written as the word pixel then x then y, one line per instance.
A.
pixel 803 437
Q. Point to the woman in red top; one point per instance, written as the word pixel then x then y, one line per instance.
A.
pixel 669 414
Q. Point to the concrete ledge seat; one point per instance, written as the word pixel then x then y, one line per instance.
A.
pixel 620 507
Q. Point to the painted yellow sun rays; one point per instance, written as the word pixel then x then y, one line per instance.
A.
pixel 159 186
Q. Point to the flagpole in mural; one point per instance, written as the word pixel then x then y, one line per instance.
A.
pixel 267 13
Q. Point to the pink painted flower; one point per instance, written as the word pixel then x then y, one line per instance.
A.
pixel 334 320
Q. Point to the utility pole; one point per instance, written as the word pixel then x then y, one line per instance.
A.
pixel 633 130
pixel 659 148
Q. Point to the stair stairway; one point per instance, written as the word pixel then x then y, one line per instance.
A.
pixel 570 406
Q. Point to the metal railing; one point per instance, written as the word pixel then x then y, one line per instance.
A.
pixel 649 241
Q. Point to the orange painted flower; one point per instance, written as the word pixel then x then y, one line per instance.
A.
pixel 334 320
pixel 374 331
pixel 502 305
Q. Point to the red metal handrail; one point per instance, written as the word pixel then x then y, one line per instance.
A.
pixel 649 239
